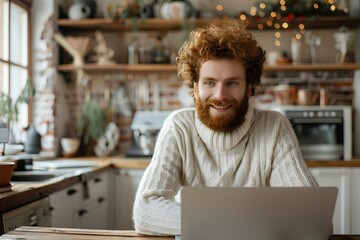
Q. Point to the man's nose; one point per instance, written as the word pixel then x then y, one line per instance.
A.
pixel 220 92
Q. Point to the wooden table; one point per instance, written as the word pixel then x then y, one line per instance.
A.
pixel 81 234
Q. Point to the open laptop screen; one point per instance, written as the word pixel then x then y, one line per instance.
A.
pixel 266 213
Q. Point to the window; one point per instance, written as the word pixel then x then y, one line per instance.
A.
pixel 14 59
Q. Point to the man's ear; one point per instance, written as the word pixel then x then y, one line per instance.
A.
pixel 249 90
pixel 195 89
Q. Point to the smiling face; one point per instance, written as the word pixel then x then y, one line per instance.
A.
pixel 221 94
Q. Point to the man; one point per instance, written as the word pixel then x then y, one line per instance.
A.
pixel 224 141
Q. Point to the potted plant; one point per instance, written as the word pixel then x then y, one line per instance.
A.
pixel 9 108
pixel 91 124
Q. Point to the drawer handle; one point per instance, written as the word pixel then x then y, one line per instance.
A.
pixel 97 180
pixel 100 200
pixel 82 212
pixel 71 192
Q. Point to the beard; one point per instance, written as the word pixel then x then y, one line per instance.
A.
pixel 225 122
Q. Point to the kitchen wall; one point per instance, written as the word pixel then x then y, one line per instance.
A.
pixel 58 102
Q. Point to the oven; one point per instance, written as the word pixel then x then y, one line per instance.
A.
pixel 323 132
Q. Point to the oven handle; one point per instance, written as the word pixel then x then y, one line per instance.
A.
pixel 316 120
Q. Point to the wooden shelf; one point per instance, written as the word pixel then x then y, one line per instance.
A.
pixel 159 24
pixel 312 67
pixel 158 68
pixel 148 68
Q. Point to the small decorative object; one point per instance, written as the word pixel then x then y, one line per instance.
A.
pixel 33 140
pixel 295 51
pixel 91 4
pixel 103 53
pixel 147 11
pixel 108 142
pixel 70 146
pixel 313 41
pixel 77 47
pixel 273 56
pixel 159 53
pixel 79 11
pixel 116 9
pixel 176 10
pixel 344 40
pixel 133 51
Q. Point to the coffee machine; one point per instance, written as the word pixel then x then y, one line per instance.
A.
pixel 145 128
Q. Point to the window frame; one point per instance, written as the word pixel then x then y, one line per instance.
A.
pixel 25 5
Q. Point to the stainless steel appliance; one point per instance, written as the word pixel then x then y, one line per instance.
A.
pixel 324 132
pixel 145 128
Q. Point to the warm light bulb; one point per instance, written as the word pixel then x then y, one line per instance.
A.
pixel 262 5
pixel 277 34
pixel 333 8
pixel 219 7
pixel 243 17
pixel 273 14
pixel 269 23
pixel 298 36
pixel 277 25
pixel 316 6
pixel 301 26
pixel 277 43
pixel 260 26
pixel 285 25
pixel 283 8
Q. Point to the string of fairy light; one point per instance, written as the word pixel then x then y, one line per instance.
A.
pixel 278 21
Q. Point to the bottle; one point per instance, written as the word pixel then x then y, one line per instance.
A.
pixel 158 52
pixel 133 52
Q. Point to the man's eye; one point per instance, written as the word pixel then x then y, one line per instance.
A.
pixel 209 84
pixel 232 84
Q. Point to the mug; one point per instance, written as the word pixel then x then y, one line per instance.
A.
pixel 6 170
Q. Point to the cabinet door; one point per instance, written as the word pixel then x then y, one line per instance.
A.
pixel 94 212
pixel 126 184
pixel 63 204
pixel 93 215
pixel 355 201
pixel 340 178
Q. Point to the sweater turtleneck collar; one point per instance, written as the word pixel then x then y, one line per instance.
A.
pixel 224 140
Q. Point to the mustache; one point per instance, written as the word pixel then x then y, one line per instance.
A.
pixel 216 102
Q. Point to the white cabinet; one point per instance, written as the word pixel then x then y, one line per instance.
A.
pixel 355 201
pixel 83 205
pixel 63 204
pixel 340 178
pixel 126 184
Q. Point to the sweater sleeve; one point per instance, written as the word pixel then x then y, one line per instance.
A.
pixel 289 167
pixel 156 212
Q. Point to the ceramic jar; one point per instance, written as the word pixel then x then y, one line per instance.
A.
pixel 79 11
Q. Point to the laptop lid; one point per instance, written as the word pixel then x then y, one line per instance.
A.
pixel 266 213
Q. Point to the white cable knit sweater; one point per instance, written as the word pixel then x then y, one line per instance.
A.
pixel 263 151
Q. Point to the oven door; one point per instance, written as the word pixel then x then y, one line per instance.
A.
pixel 320 138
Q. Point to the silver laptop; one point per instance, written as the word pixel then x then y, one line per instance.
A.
pixel 261 213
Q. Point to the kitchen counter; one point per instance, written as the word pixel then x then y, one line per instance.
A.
pixel 23 193
pixel 79 234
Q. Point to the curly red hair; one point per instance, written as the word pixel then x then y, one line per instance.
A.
pixel 220 39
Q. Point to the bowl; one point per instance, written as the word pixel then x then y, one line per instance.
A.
pixel 70 145
pixel 11 149
pixel 6 170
